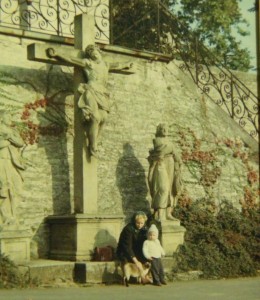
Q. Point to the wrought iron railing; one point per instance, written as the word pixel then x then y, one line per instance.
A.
pixel 143 25
pixel 155 28
pixel 55 17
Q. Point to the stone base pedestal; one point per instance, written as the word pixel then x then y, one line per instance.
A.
pixel 74 237
pixel 15 243
pixel 172 236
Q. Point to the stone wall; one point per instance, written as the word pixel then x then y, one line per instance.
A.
pixel 214 149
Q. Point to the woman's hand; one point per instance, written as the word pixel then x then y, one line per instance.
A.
pixel 138 264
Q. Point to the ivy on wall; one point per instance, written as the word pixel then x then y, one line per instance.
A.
pixel 206 165
pixel 51 112
pixel 221 240
pixel 44 116
pixel 204 160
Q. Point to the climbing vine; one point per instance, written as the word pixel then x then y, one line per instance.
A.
pixel 44 116
pixel 55 120
pixel 206 165
pixel 204 160
pixel 251 191
pixel 221 240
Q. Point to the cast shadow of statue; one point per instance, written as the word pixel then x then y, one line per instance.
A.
pixel 131 182
pixel 53 137
pixel 40 242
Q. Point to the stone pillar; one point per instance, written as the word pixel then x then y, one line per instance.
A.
pixel 172 236
pixel 85 165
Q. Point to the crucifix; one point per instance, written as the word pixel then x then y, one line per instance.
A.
pixel 91 104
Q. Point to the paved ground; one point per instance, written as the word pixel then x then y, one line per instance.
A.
pixel 231 289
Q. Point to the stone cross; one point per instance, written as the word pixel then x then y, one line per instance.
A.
pixel 85 165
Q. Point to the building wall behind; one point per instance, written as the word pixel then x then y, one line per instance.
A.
pixel 156 92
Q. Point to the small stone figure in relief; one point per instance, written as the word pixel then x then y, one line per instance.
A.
pixel 10 169
pixel 94 96
pixel 164 177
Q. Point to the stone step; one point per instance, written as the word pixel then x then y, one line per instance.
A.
pixel 98 272
pixel 52 271
pixel 109 272
pixel 47 271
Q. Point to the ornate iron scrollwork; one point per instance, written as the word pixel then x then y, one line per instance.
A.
pixel 54 17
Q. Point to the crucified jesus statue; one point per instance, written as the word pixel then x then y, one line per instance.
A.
pixel 94 96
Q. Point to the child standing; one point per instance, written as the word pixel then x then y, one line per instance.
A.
pixel 153 251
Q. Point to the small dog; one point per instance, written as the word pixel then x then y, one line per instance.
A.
pixel 131 270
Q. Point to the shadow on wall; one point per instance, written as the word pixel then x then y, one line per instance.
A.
pixel 131 182
pixel 107 244
pixel 104 246
pixel 54 125
pixel 104 238
pixel 40 242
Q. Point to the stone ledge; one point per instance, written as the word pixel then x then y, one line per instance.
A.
pixel 91 272
pixel 98 272
pixel 153 56
pixel 47 271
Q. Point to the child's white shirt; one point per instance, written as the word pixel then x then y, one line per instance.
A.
pixel 153 248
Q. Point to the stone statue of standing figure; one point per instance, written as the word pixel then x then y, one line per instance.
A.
pixel 94 96
pixel 164 177
pixel 10 169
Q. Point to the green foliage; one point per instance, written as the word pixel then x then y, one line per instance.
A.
pixel 11 277
pixel 146 25
pixel 134 24
pixel 216 23
pixel 220 242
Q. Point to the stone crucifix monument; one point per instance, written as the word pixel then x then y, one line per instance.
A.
pixel 74 237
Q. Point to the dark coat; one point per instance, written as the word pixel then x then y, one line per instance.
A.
pixel 130 243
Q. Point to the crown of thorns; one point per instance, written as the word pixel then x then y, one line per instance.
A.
pixel 90 48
